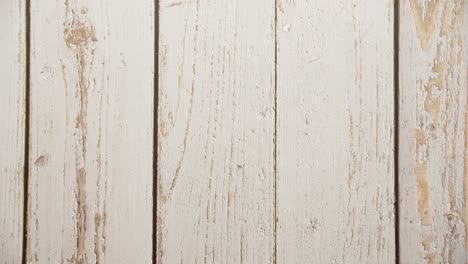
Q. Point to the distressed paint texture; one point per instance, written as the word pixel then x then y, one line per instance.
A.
pixel 257 162
pixel 433 131
pixel 12 120
pixel 216 132
pixel 335 132
pixel 92 88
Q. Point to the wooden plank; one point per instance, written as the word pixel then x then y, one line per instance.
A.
pixel 216 127
pixel 433 131
pixel 12 118
pixel 335 132
pixel 92 93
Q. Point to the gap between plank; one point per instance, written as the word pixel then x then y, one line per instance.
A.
pixel 275 156
pixel 275 134
pixel 155 130
pixel 26 128
pixel 396 100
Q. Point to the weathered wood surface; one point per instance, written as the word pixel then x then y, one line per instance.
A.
pixel 216 132
pixel 433 131
pixel 256 162
pixel 12 120
pixel 90 192
pixel 335 132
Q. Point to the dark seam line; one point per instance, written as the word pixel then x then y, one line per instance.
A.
pixel 155 130
pixel 26 129
pixel 275 134
pixel 396 101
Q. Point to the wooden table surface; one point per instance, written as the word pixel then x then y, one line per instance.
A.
pixel 246 131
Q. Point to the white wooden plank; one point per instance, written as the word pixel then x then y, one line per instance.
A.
pixel 12 120
pixel 335 132
pixel 216 127
pixel 92 93
pixel 433 131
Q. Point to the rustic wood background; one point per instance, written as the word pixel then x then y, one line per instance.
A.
pixel 220 131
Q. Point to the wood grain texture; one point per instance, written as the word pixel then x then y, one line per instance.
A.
pixel 216 127
pixel 433 131
pixel 12 120
pixel 335 132
pixel 90 192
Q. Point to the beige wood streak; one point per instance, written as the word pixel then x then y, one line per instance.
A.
pixel 216 126
pixel 433 131
pixel 12 120
pixel 335 132
pixel 90 192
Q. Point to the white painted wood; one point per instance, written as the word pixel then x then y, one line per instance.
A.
pixel 433 131
pixel 216 132
pixel 335 132
pixel 91 131
pixel 12 120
